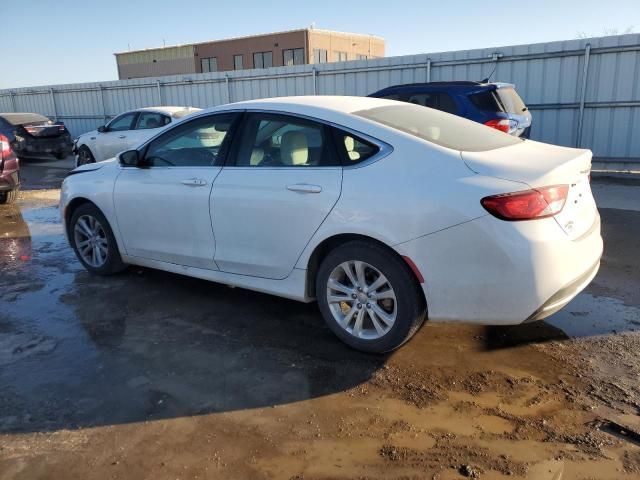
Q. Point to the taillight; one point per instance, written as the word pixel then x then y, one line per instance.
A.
pixel 503 124
pixel 31 130
pixel 5 147
pixel 527 205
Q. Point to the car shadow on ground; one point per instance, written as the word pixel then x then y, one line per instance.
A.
pixel 148 345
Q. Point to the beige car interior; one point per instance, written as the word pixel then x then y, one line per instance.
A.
pixel 294 148
pixel 350 145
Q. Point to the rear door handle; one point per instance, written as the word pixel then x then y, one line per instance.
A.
pixel 194 182
pixel 304 188
pixel 122 136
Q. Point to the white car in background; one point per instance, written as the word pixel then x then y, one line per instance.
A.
pixel 124 132
pixel 386 213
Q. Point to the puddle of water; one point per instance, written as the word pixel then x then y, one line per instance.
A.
pixel 588 315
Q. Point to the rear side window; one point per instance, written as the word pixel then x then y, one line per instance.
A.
pixel 438 100
pixel 354 149
pixel 272 140
pixel 393 96
pixel 148 120
pixel 440 128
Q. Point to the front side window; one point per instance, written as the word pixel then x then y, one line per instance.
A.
pixel 148 120
pixel 263 60
pixel 197 143
pixel 271 140
pixel 293 56
pixel 123 122
pixel 237 62
pixel 440 128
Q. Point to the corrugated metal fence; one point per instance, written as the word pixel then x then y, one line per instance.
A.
pixel 581 92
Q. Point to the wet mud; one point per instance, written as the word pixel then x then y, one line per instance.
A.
pixel 153 375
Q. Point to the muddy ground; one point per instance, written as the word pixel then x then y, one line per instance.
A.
pixel 153 375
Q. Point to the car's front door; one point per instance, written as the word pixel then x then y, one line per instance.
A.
pixel 283 179
pixel 112 141
pixel 163 209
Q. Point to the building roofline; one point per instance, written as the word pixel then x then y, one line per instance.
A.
pixel 243 37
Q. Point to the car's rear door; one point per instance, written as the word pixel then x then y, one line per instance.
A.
pixel 163 209
pixel 283 179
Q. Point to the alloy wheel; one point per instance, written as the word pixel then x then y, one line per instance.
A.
pixel 361 299
pixel 91 241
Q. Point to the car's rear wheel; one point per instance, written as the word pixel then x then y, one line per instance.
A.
pixel 369 297
pixel 92 239
pixel 84 156
pixel 9 197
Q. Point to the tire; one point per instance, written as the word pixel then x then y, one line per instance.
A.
pixel 378 264
pixel 9 197
pixel 102 264
pixel 84 156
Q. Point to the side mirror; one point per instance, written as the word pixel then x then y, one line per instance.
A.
pixel 102 129
pixel 130 158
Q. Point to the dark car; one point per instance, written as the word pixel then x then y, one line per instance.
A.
pixel 496 105
pixel 33 134
pixel 9 171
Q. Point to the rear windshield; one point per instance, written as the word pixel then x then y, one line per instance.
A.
pixel 24 118
pixel 511 101
pixel 184 113
pixel 440 128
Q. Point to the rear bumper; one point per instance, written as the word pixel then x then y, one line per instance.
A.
pixel 43 146
pixel 492 272
pixel 564 295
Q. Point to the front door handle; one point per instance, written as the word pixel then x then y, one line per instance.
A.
pixel 304 188
pixel 194 182
pixel 122 136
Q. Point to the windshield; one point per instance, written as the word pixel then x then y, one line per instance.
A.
pixel 440 128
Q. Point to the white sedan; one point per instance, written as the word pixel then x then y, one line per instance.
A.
pixel 126 131
pixel 386 213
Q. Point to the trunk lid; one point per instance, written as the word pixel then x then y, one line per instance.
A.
pixel 47 129
pixel 536 165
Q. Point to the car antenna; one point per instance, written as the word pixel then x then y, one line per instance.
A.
pixel 495 57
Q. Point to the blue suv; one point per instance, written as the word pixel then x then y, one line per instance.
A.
pixel 496 105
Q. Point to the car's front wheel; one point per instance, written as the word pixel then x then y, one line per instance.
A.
pixel 92 239
pixel 84 156
pixel 369 297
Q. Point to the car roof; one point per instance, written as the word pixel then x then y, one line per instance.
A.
pixel 457 85
pixel 167 110
pixel 327 103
